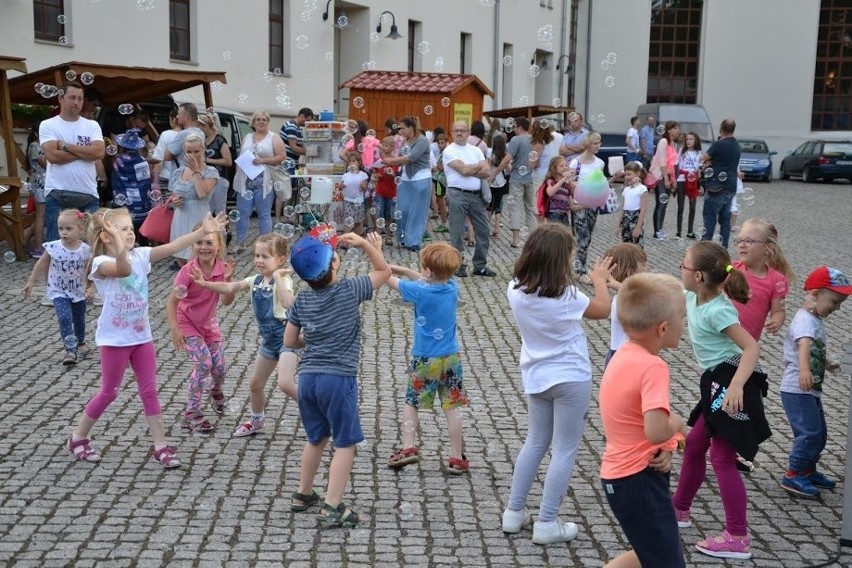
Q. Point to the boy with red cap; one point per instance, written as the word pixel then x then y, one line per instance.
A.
pixel 805 364
pixel 324 320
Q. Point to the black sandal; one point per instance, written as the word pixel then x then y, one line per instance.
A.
pixel 340 516
pixel 307 501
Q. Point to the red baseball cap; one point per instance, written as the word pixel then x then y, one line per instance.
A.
pixel 830 279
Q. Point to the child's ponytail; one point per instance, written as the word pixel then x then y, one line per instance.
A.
pixel 714 262
pixel 736 285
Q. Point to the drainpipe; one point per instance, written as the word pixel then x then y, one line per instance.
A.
pixel 562 50
pixel 498 57
pixel 588 59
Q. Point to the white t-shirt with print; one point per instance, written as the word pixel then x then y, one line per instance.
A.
pixel 804 325
pixel 124 317
pixel 554 348
pixel 79 175
pixel 67 273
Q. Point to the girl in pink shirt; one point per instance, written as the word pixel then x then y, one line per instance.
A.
pixel 768 274
pixel 191 311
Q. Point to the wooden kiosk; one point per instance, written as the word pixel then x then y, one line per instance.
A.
pixel 12 219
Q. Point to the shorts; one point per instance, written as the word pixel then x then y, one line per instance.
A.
pixel 436 375
pixel 328 407
pixel 735 209
pixel 642 504
pixel 38 192
pixel 272 342
pixel 354 210
pixel 384 207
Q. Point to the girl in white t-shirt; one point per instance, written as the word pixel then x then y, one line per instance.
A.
pixel 556 372
pixel 631 218
pixel 66 278
pixel 354 184
pixel 627 260
pixel 120 273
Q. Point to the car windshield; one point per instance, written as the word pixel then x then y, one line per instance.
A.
pixel 753 147
pixel 704 131
pixel 837 148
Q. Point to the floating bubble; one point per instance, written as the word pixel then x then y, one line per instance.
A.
pixel 609 81
pixel 487 3
pixel 328 56
pixel 226 55
pixel 544 123
pixel 349 222
pixel 428 110
pixel 510 200
pixel 397 215
pixel 243 98
pixel 289 211
pixel 663 197
pixel 524 231
pixel 408 425
pixel 267 76
pixel 125 108
pixel 701 231
pixel 62 19
pixel 358 102
pixel 718 240
pixel 392 227
pixel 111 150
pixel 605 65
pixel 145 5
pixel 691 177
pixel 180 291
pixel 601 118
pixel 380 222
pixel 374 37
pixel 371 211
pixel 523 170
pixel 9 256
pixel 781 287
pixel 281 88
pixel 310 5
pixel 524 100
pixel 302 41
pixel 439 64
pixel 405 150
pixel 708 173
pixel 612 58
pixel 342 21
pixel 305 192
pixel 533 156
pixel 534 71
pixel 265 291
pixel 39 87
pixel 216 85
pixel 557 102
pixel 70 342
pixel 722 176
pixel 287 230
pixel 747 197
pixel 155 195
pixel 735 229
pixel 234 215
pixel 445 102
pixel 423 47
pixel 70 74
pixel 299 209
pixel 578 266
pixel 507 61
pixel 438 333
pixel 119 199
pixel 87 78
pixel 661 129
pixel 305 16
pixel 290 164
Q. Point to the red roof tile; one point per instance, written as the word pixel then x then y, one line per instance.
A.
pixel 414 82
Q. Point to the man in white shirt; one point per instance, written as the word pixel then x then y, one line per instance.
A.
pixel 187 119
pixel 163 171
pixel 572 141
pixel 631 140
pixel 72 145
pixel 465 167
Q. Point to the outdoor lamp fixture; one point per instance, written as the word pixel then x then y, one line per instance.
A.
pixel 394 32
pixel 340 14
pixel 568 69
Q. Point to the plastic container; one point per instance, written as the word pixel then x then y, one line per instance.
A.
pixel 322 189
pixel 326 116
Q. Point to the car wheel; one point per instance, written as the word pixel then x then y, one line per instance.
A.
pixel 783 173
pixel 807 177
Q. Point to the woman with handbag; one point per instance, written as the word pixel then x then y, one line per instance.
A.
pixel 583 218
pixel 191 185
pixel 257 194
pixel 687 182
pixel 663 169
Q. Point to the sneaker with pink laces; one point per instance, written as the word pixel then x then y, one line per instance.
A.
pixel 683 518
pixel 726 546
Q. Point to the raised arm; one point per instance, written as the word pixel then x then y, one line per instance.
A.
pixel 599 306
pixel 372 247
pixel 285 294
pixel 208 225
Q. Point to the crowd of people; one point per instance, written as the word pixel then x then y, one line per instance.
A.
pixel 466 178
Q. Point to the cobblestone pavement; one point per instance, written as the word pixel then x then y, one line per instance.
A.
pixel 229 503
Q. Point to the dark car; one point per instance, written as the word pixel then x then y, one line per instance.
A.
pixel 819 159
pixel 755 159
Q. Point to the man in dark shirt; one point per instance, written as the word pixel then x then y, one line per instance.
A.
pixel 723 157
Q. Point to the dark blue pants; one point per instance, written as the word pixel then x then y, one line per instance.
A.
pixel 717 206
pixel 810 433
pixel 72 320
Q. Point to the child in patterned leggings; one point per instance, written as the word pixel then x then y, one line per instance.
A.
pixel 191 312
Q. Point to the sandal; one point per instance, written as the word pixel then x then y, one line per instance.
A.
pixel 340 516
pixel 307 501
pixel 166 457
pixel 729 547
pixel 197 424
pixel 217 401
pixel 459 465
pixel 402 458
pixel 82 450
pixel 249 428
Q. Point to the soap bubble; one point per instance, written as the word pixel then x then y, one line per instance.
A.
pixel 380 223
pixel 9 256
pixel 708 173
pixel 310 5
pixel 397 215
pixel 578 266
pixel 62 19
pixel 661 129
pixel 507 61
pixel 544 123
pixel 747 196
pixel 510 200
pixel 180 291
pixel 63 40
pixel 374 37
pixel 358 102
pixel 70 74
pixel 439 64
pixel 486 3
pixel 70 342
pixel 557 102
pixel 438 333
pixel 281 88
pixel 406 511
pixel 423 47
pixel 392 227
pixel 408 426
pixel 329 56
pixel 248 194
pixel 691 177
pixel 299 209
pixel 524 100
pixel 305 15
pixel 534 71
pixel 601 118
pixel 663 197
pixel 226 55
pixel 119 199
pixel 302 42
pixel 216 85
pixel 125 108
pixel 111 150
pixel 421 321
pixel 342 21
pixel 234 215
pixel 289 164
pixel 349 222
pixel 722 176
pixel 286 230
pixel 289 211
pixel 781 287
pixel 445 102
pixel 39 87
pixel 609 81
pixel 611 58
pixel 243 98
pixel 605 65
pixel 155 195
pixel 87 78
pixel 145 5
pixel 428 110
pixel 533 156
pixel 523 170
pixel 305 192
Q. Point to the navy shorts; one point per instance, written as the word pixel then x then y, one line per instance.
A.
pixel 328 406
pixel 642 503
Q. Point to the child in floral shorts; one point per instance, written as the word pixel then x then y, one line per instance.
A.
pixel 435 367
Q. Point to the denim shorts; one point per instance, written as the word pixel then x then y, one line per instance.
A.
pixel 328 407
pixel 272 342
pixel 642 503
pixel 384 207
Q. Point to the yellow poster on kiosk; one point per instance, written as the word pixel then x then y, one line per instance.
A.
pixel 463 112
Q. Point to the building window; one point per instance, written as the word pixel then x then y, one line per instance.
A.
pixel 276 35
pixel 832 109
pixel 465 47
pixel 415 35
pixel 179 30
pixel 673 54
pixel 46 19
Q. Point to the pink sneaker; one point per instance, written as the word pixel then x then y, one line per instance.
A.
pixel 728 547
pixel 683 518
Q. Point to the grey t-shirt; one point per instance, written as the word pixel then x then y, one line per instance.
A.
pixel 804 324
pixel 176 144
pixel 331 325
pixel 520 147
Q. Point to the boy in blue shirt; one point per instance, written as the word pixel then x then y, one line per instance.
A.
pixel 435 366
pixel 325 321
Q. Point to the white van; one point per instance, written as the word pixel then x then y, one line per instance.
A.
pixel 692 118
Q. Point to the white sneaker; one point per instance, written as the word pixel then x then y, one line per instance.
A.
pixel 45 301
pixel 514 521
pixel 554 532
pixel 98 300
pixel 660 236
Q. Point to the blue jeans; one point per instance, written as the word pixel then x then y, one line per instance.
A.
pixel 810 433
pixel 260 203
pixel 717 206
pixel 630 157
pixel 413 198
pixel 59 199
pixel 72 320
pixel 384 207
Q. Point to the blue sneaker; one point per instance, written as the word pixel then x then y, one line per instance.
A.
pixel 817 479
pixel 799 485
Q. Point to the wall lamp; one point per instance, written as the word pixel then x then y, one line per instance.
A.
pixel 394 32
pixel 325 14
pixel 568 69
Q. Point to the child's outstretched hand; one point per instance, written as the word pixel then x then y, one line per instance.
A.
pixel 115 235
pixel 229 270
pixel 602 270
pixel 374 239
pixel 212 224
pixel 351 239
pixel 282 272
pixel 198 276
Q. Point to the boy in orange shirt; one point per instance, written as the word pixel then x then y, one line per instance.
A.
pixel 640 428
